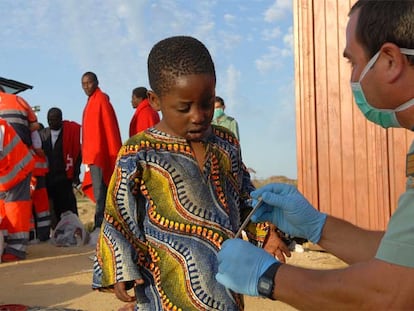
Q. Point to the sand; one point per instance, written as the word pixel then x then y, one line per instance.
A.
pixel 59 278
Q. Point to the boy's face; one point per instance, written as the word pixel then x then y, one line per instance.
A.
pixel 188 107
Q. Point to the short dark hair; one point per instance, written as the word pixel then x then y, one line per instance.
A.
pixel 140 92
pixel 384 21
pixel 174 57
pixel 220 100
pixel 92 75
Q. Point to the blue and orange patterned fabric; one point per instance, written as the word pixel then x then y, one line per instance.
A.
pixel 166 219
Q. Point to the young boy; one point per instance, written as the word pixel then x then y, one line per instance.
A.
pixel 178 191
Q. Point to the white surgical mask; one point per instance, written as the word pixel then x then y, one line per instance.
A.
pixel 384 117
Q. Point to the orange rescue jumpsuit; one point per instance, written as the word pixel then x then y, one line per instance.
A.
pixel 16 166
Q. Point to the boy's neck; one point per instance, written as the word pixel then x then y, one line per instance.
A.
pixel 199 152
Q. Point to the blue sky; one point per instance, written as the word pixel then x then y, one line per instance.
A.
pixel 50 44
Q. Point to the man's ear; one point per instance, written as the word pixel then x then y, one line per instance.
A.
pixel 396 61
pixel 154 100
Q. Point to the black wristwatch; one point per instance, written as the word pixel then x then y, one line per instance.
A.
pixel 266 283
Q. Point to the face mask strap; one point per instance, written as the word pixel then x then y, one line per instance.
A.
pixel 405 105
pixel 369 65
pixel 375 58
pixel 407 51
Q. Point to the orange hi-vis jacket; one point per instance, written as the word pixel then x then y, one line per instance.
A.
pixel 17 112
pixel 41 166
pixel 16 161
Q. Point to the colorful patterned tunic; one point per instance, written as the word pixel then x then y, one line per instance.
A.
pixel 165 220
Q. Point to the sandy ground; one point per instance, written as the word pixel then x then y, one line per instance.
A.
pixel 56 278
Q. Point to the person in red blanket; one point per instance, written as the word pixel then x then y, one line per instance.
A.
pixel 62 146
pixel 145 116
pixel 101 141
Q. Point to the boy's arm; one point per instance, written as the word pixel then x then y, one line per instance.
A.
pixel 117 229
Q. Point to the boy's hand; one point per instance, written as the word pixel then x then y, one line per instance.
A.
pixel 121 291
pixel 275 246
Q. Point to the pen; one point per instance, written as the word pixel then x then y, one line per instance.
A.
pixel 246 221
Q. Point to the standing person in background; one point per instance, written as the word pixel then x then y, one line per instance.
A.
pixel 380 275
pixel 221 119
pixel 145 116
pixel 61 143
pixel 101 140
pixel 17 112
pixel 40 202
pixel 16 166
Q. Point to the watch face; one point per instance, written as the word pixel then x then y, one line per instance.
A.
pixel 266 284
pixel 265 287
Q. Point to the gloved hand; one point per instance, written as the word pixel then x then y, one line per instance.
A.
pixel 288 209
pixel 241 264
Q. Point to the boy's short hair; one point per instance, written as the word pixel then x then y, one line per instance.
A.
pixel 174 57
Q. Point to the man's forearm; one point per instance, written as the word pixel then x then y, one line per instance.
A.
pixel 348 242
pixel 357 287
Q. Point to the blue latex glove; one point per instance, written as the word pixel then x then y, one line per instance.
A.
pixel 241 264
pixel 288 209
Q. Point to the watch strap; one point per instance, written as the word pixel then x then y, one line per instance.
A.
pixel 266 283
